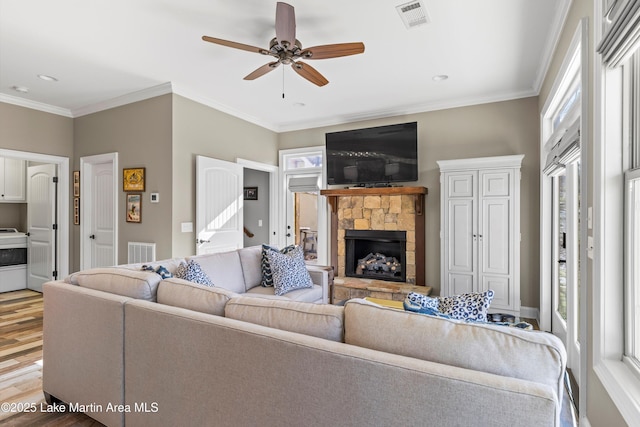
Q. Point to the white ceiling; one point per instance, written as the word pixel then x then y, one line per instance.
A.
pixel 109 52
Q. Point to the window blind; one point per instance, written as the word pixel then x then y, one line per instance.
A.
pixel 623 35
pixel 303 184
pixel 565 151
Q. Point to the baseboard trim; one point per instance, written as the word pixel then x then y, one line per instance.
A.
pixel 530 313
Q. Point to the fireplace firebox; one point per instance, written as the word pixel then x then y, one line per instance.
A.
pixel 376 254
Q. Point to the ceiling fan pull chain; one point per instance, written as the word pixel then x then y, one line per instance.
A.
pixel 282 82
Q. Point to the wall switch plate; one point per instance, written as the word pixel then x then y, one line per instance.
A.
pixel 259 223
pixel 154 198
pixel 186 227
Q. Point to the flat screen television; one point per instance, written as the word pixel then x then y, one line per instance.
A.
pixel 373 156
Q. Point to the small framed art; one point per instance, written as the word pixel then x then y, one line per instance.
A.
pixel 133 179
pixel 251 193
pixel 76 210
pixel 76 183
pixel 134 207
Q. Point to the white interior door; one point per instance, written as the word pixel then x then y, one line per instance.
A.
pixel 41 209
pixel 566 280
pixel 98 212
pixel 219 205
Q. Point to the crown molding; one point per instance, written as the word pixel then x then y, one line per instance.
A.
pixel 405 110
pixel 34 105
pixel 139 95
pixel 552 43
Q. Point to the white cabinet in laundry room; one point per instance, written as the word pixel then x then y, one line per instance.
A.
pixel 13 187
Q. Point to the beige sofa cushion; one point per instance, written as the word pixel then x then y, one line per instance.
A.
pixel 313 294
pixel 120 281
pixel 193 296
pixel 529 355
pixel 318 320
pixel 224 270
pixel 251 260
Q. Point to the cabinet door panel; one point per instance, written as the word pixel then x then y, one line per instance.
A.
pixel 460 283
pixel 500 286
pixel 495 184
pixel 14 181
pixel 495 229
pixel 460 236
pixel 460 185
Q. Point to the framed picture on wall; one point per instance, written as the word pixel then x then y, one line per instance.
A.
pixel 133 179
pixel 76 183
pixel 76 210
pixel 251 193
pixel 134 207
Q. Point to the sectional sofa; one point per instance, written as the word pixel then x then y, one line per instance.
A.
pixel 130 349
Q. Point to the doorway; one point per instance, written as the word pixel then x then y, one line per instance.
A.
pixel 304 210
pixel 62 245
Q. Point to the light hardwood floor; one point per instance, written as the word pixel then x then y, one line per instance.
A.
pixel 21 364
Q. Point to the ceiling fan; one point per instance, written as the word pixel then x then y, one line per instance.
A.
pixel 287 49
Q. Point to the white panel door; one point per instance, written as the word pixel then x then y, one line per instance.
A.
pixel 98 211
pixel 41 208
pixel 219 205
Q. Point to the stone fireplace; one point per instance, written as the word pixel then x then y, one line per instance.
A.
pixel 389 209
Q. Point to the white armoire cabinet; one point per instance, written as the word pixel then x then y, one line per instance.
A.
pixel 480 229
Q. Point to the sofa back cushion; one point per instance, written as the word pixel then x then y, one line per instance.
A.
pixel 251 259
pixel 193 296
pixel 529 355
pixel 120 281
pixel 224 270
pixel 318 320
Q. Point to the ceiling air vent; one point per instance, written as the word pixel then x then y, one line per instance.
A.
pixel 413 14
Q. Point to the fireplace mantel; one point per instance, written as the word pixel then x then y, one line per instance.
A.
pixel 382 208
pixel 333 194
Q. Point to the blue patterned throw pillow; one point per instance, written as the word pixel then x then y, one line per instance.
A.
pixel 289 271
pixel 267 275
pixel 471 306
pixel 192 272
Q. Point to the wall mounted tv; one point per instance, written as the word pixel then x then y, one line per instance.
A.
pixel 374 156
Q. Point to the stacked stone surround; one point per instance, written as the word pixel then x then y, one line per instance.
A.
pixel 378 212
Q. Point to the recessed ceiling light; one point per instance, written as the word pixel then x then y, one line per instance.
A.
pixel 299 104
pixel 440 77
pixel 47 78
pixel 20 89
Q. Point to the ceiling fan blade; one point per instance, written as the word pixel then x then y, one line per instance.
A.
pixel 285 24
pixel 332 50
pixel 262 70
pixel 235 45
pixel 309 73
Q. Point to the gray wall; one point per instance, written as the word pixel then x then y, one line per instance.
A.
pixel 201 130
pixel 495 129
pixel 255 210
pixel 141 135
pixel 24 129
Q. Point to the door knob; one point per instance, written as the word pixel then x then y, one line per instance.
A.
pixel 288 234
pixel 93 236
pixel 203 241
